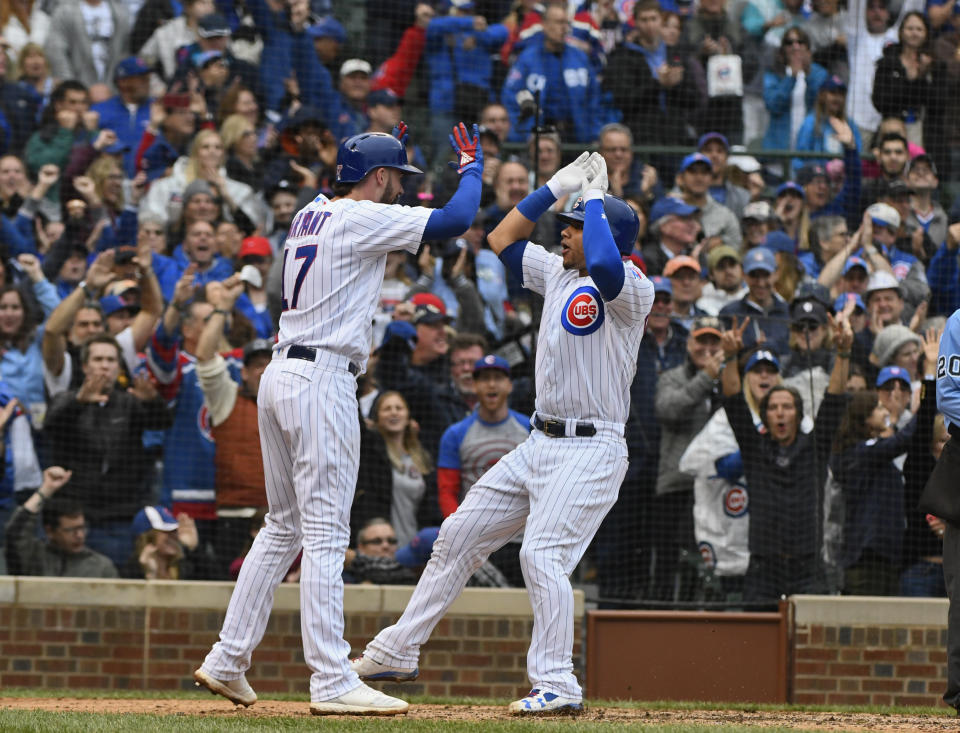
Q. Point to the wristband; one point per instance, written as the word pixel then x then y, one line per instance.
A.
pixel 41 496
pixel 537 203
pixel 222 312
pixel 844 354
pixel 86 290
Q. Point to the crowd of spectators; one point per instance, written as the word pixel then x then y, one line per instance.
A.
pixel 795 219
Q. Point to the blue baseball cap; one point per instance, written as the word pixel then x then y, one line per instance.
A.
pixel 762 355
pixel 201 59
pixel 759 258
pixel 491 361
pixel 671 206
pixel 153 517
pixel 383 96
pixel 131 66
pixel 833 84
pixel 693 159
pixel 890 373
pixel 841 302
pixel 708 136
pixel 855 262
pixel 111 304
pixel 328 27
pixel 778 241
pixel 790 187
pixel 418 551
pixel 117 148
pixel 661 284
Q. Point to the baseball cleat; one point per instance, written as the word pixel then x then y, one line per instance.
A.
pixel 360 701
pixel 537 702
pixel 367 669
pixel 237 691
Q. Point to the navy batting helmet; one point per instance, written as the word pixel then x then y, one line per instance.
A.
pixel 623 220
pixel 362 153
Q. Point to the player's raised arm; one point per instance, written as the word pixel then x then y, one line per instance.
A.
pixel 603 258
pixel 457 216
pixel 519 222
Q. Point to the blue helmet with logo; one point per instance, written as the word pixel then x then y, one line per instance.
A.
pixel 362 153
pixel 623 220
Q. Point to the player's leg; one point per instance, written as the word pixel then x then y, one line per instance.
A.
pixel 492 512
pixel 273 550
pixel 575 488
pixel 325 474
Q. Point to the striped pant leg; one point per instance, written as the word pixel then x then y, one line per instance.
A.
pixel 492 513
pixel 273 550
pixel 324 428
pixel 575 488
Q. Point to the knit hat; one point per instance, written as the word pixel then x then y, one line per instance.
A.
pixel 889 341
pixel 196 188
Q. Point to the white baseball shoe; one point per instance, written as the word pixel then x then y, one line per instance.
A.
pixel 361 701
pixel 237 691
pixel 367 669
pixel 539 702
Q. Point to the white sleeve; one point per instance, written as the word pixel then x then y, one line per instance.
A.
pixel 635 299
pixel 128 350
pixel 57 383
pixel 539 266
pixel 380 228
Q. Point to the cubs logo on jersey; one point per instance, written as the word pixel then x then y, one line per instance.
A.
pixel 735 501
pixel 583 312
pixel 708 554
pixel 203 423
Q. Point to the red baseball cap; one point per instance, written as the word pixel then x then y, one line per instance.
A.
pixel 429 299
pixel 255 246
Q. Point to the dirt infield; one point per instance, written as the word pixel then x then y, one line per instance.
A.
pixel 273 708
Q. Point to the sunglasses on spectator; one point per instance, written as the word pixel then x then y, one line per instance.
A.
pixel 379 541
pixel 794 42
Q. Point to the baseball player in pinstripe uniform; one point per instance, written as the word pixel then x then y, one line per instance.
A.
pixel 333 265
pixel 559 483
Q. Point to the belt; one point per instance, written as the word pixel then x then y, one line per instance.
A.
pixel 558 428
pixel 308 353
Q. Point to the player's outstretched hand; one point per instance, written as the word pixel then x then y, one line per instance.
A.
pixel 599 181
pixel 469 153
pixel 400 132
pixel 571 178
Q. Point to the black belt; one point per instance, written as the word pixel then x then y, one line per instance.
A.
pixel 954 430
pixel 558 428
pixel 308 353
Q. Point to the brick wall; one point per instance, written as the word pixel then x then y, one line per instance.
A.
pixel 133 635
pixel 852 651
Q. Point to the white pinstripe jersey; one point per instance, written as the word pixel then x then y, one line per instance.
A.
pixel 587 348
pixel 333 265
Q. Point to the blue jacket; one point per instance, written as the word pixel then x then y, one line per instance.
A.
pixel 261 320
pixel 775 322
pixel 847 202
pixel 23 370
pixel 115 116
pixel 873 490
pixel 778 95
pixel 808 139
pixel 943 276
pixel 569 91
pixel 316 86
pixel 220 270
pixel 474 66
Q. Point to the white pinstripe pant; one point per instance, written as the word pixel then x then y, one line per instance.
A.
pixel 310 436
pixel 557 490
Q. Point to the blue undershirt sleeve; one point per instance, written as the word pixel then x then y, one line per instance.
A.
pixel 512 258
pixel 457 216
pixel 600 251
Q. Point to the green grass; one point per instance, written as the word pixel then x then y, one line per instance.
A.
pixel 46 722
pixel 24 692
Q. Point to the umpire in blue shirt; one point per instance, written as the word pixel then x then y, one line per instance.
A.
pixel 941 496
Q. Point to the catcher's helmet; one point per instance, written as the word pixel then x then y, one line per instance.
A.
pixel 623 220
pixel 362 153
